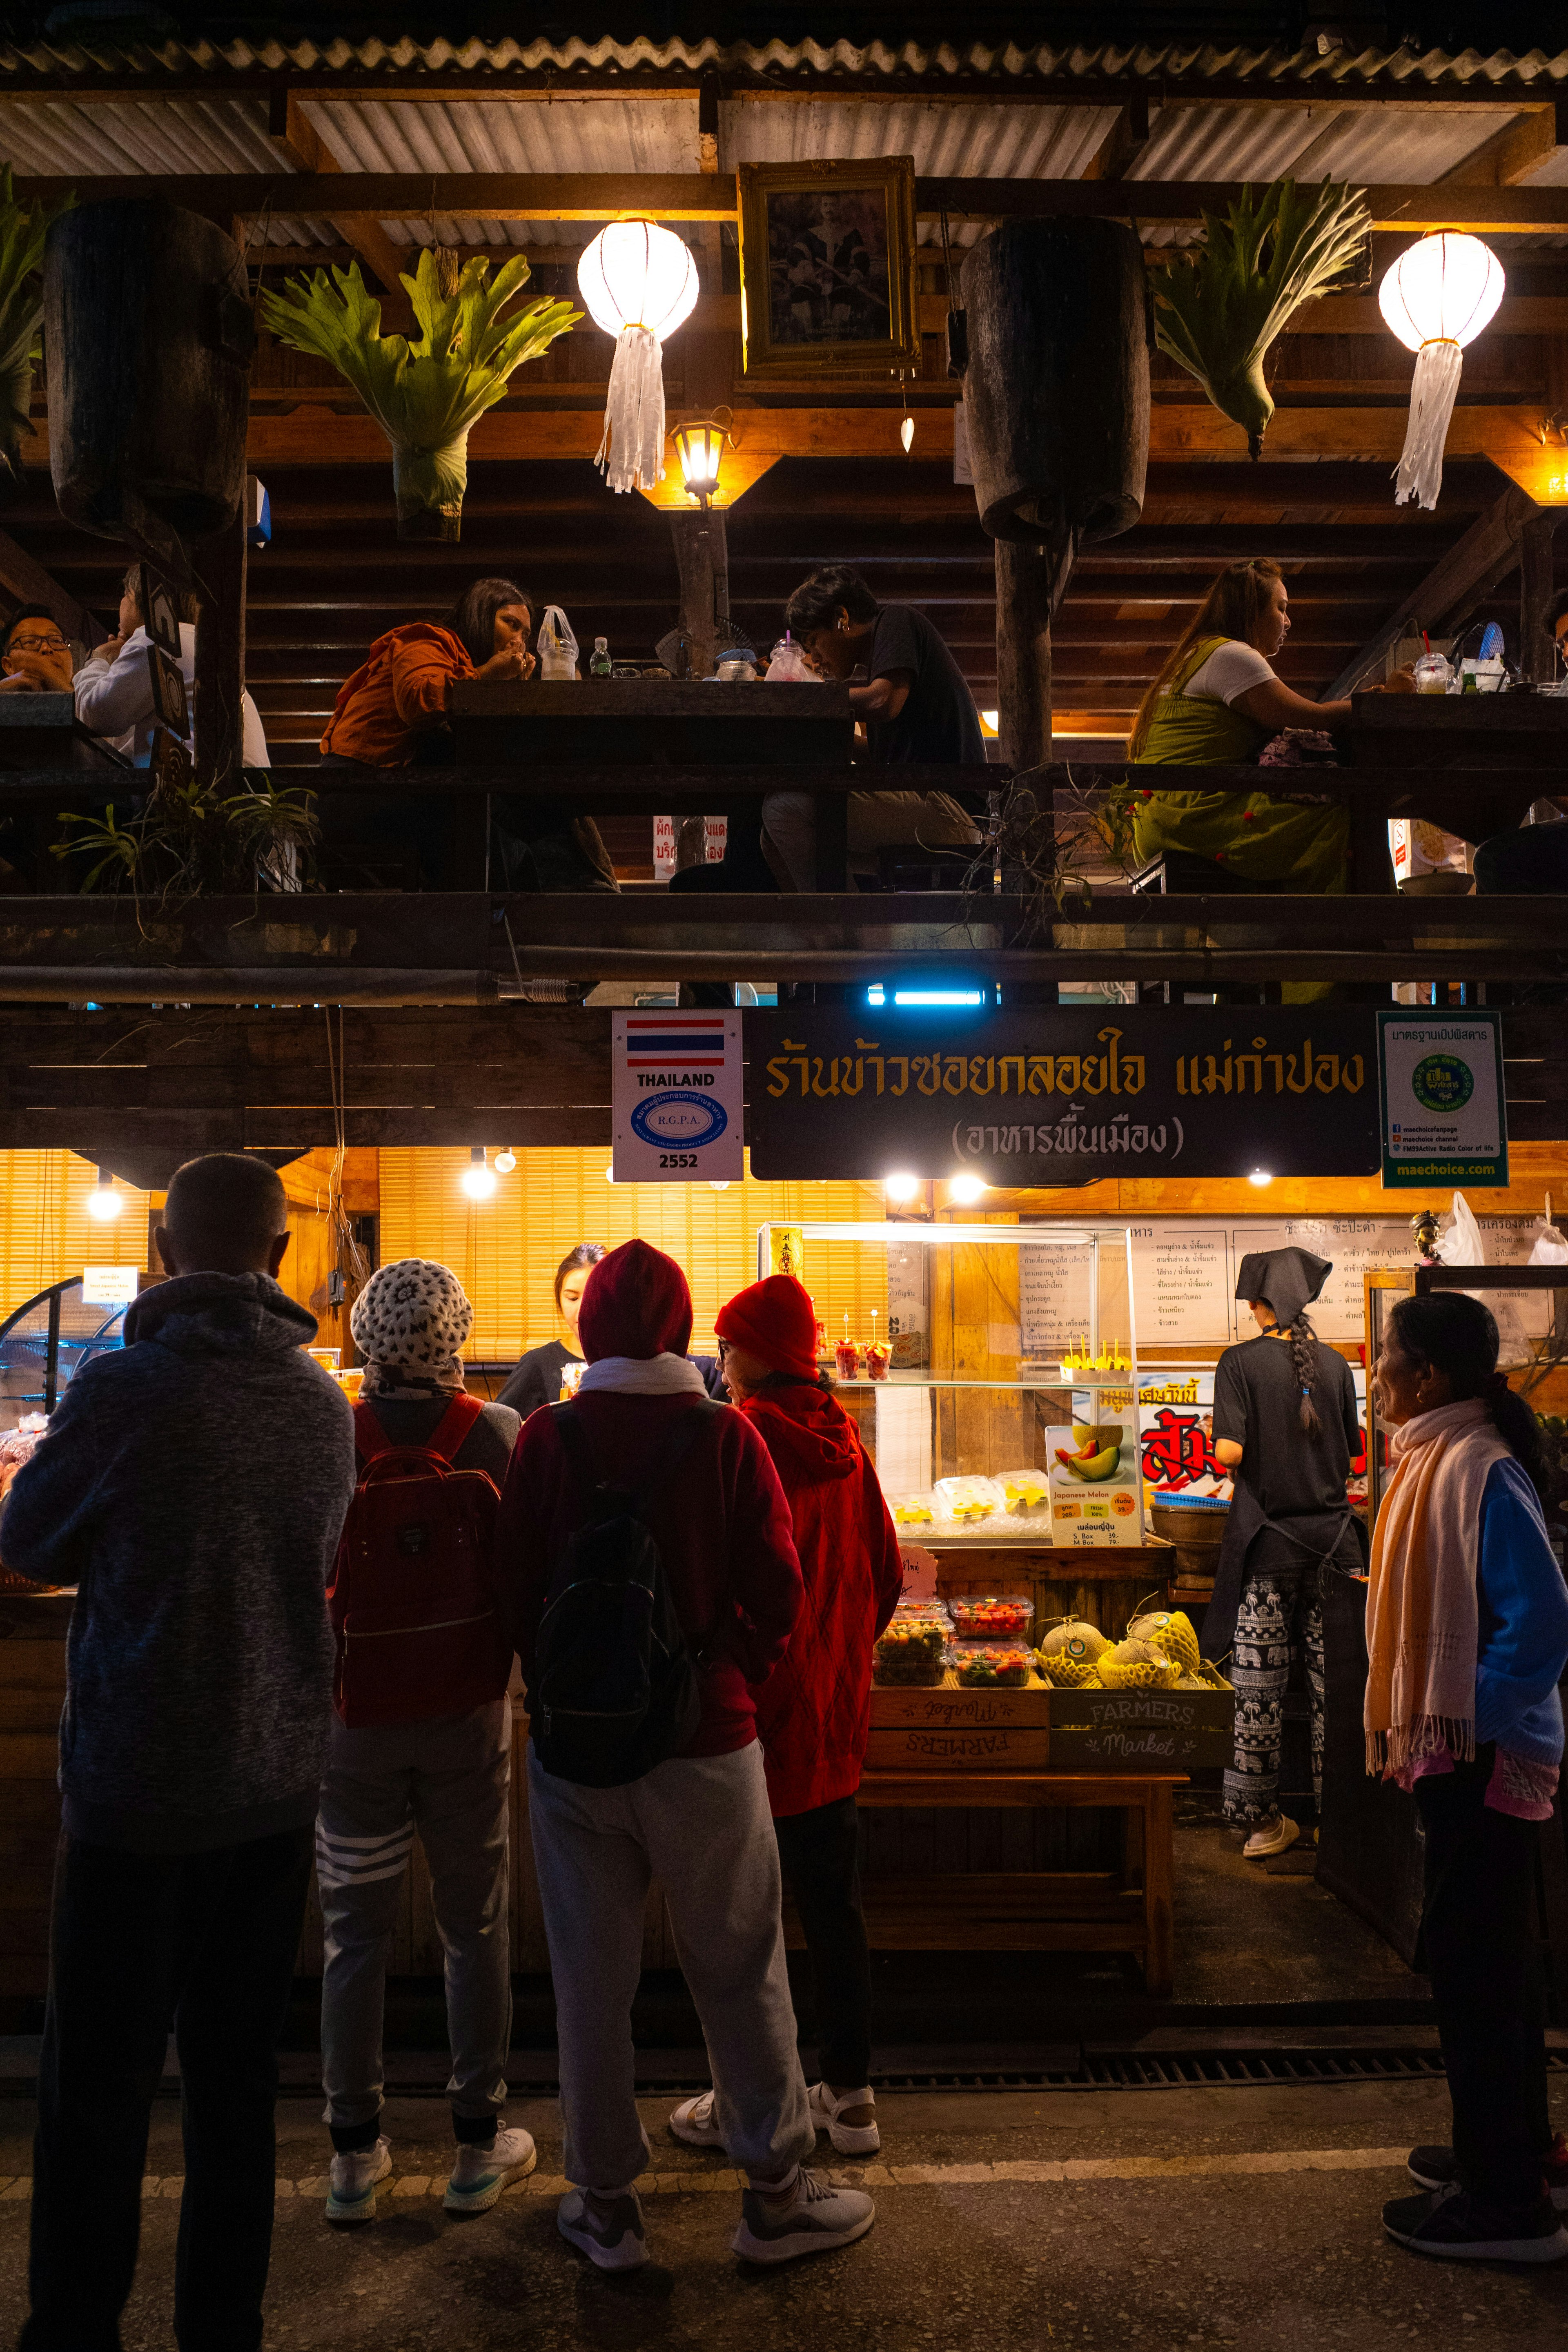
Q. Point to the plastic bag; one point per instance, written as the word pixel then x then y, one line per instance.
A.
pixel 1461 1244
pixel 1550 1247
pixel 555 644
pixel 787 661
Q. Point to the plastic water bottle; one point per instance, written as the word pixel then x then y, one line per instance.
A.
pixel 599 664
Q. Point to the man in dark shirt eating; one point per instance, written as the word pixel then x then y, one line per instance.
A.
pixel 916 709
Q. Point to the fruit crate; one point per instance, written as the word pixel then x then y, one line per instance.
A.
pixel 993 1729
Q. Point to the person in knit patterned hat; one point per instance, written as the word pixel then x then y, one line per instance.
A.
pixel 449 1777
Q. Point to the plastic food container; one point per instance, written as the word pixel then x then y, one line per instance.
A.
pixel 968 1502
pixel 913 1512
pixel 847 1357
pixel 1432 673
pixel 1006 1667
pixel 1000 1617
pixel 879 1356
pixel 1025 1494
pixel 911 1650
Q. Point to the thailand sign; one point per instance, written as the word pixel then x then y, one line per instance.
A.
pixel 1441 1091
pixel 678 1094
pixel 1063 1096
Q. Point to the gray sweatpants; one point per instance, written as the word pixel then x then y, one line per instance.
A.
pixel 701 1824
pixel 449 1779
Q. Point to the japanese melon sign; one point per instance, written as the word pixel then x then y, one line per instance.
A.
pixel 677 1097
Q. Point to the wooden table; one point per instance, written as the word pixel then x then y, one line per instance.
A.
pixel 1035 1911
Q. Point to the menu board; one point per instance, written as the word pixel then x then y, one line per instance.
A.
pixel 1181 1282
pixel 1054 1300
pixel 1184 1271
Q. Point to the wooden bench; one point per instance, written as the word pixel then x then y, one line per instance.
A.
pixel 1035 1911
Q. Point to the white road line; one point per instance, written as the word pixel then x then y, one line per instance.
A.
pixel 1012 2172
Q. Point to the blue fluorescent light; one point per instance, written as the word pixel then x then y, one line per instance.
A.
pixel 878 995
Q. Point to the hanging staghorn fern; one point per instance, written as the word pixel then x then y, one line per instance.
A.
pixel 23 228
pixel 424 396
pixel 1219 309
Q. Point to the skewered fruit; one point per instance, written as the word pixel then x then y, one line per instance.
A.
pixel 1169 1631
pixel 1069 1655
pixel 1137 1665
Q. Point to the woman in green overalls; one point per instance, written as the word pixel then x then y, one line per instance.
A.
pixel 1217 701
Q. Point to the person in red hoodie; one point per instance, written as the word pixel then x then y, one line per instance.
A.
pixel 698 1822
pixel 813 1713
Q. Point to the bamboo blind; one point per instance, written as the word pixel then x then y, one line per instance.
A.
pixel 505 1250
pixel 46 1233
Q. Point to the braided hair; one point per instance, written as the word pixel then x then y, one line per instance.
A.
pixel 1303 1342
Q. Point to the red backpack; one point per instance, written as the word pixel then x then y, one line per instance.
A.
pixel 413 1597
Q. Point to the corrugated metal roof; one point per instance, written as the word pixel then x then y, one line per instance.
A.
pixel 151 134
pixel 1184 61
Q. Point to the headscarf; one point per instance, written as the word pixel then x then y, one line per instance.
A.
pixel 1287 1279
pixel 636 1303
pixel 775 1321
pixel 409 1323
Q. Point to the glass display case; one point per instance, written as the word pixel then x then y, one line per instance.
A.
pixel 990 1369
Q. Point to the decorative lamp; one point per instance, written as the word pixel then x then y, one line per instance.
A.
pixel 638 282
pixel 1436 298
pixel 103 1203
pixel 701 449
pixel 505 1162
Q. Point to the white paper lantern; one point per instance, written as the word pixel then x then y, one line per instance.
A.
pixel 639 283
pixel 1436 298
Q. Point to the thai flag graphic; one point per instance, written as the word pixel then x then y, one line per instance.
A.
pixel 669 1041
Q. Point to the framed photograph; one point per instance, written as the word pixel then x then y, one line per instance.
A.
pixel 827 267
pixel 169 706
pixel 162 610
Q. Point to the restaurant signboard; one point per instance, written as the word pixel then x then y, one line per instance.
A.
pixel 677 1095
pixel 1441 1086
pixel 1063 1096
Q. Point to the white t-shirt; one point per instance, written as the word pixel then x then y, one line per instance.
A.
pixel 1232 670
pixel 114 700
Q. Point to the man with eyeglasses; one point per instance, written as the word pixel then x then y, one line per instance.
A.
pixel 33 654
pixel 1533 859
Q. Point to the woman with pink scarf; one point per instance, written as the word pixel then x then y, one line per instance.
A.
pixel 1466 1631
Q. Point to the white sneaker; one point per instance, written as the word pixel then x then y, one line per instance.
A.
pixel 481 2173
pixel 812 2221
pixel 350 2188
pixel 608 2229
pixel 850 2139
pixel 1274 1836
pixel 693 2122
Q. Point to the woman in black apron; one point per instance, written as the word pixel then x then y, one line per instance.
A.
pixel 1286 1426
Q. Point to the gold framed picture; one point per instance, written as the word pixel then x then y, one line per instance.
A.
pixel 827 267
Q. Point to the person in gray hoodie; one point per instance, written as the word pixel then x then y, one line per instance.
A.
pixel 191 1487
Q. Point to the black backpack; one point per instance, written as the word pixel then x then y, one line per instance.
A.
pixel 615 1687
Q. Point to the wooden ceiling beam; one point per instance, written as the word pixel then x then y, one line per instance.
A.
pixel 699 197
pixel 297 141
pixel 1520 148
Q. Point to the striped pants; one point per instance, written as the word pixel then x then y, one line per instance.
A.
pixel 449 1779
pixel 1279 1620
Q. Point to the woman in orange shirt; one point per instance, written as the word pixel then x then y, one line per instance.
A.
pixel 392 713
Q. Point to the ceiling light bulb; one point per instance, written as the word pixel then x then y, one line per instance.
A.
pixel 967 1190
pixel 907 434
pixel 504 1162
pixel 478 1178
pixel 610 1175
pixel 103 1203
pixel 900 1187
pixel 1261 1176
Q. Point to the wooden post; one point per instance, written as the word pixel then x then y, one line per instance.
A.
pixel 1025 578
pixel 1537 658
pixel 221 566
pixel 702 551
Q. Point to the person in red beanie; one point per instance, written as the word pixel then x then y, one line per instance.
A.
pixel 698 1822
pixel 813 1713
